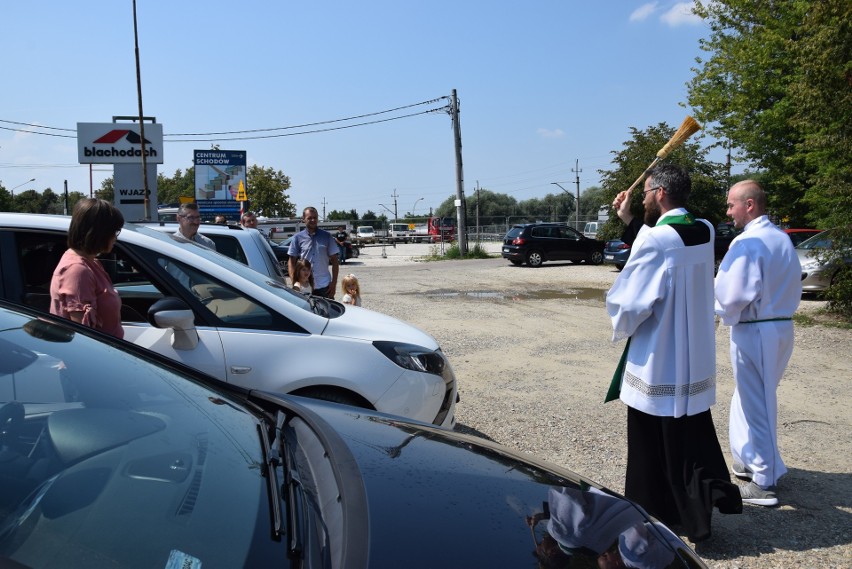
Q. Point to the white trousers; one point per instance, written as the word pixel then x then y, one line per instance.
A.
pixel 759 355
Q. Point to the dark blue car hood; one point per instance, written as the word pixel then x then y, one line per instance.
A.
pixel 438 498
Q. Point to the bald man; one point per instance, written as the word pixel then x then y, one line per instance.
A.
pixel 758 288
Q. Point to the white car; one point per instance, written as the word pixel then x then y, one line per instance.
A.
pixel 365 234
pixel 219 316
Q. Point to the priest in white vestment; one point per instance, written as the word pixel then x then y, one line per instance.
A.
pixel 663 302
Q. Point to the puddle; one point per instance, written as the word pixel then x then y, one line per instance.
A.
pixel 568 294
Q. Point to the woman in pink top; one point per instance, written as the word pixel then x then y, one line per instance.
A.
pixel 81 289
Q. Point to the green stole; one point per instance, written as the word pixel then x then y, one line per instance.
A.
pixel 614 391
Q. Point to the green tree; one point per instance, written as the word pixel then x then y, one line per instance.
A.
pixel 7 202
pixel 28 201
pixel 590 202
pixel 778 83
pixel 335 215
pixel 182 184
pixel 267 192
pixel 369 216
pixel 107 190
pixel 707 199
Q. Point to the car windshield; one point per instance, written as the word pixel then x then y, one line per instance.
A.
pixel 235 267
pixel 109 459
pixel 819 241
pixel 514 232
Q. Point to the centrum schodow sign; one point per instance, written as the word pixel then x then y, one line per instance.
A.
pixel 118 143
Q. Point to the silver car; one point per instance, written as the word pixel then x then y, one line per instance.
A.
pixel 818 272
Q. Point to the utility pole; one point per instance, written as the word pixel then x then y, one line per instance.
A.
pixel 460 207
pixel 395 211
pixel 323 207
pixel 577 171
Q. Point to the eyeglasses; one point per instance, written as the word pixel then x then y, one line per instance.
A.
pixel 117 232
pixel 192 217
pixel 652 190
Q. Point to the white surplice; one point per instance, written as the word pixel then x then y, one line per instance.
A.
pixel 663 301
pixel 759 281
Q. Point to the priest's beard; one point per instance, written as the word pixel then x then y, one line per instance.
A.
pixel 652 214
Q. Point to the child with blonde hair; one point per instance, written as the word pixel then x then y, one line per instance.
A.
pixel 351 290
pixel 303 279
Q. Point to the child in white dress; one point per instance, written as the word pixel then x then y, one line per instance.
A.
pixel 351 290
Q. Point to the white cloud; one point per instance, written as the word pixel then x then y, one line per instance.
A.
pixel 680 14
pixel 548 133
pixel 643 12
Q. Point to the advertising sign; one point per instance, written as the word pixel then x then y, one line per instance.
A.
pixel 130 191
pixel 118 143
pixel 219 174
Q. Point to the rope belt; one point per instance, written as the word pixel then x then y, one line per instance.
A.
pixel 780 319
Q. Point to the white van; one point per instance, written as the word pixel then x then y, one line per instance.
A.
pixel 366 234
pixel 591 229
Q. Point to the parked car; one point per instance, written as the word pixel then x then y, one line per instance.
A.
pixel 799 235
pixel 365 234
pixel 535 243
pixel 725 233
pixel 817 272
pixel 221 317
pixel 248 246
pixel 616 253
pixel 116 457
pixel 591 229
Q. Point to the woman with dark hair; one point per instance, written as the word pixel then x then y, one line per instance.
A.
pixel 81 289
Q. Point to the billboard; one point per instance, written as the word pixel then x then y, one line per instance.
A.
pixel 218 177
pixel 118 143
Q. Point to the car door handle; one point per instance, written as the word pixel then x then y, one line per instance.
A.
pixel 240 370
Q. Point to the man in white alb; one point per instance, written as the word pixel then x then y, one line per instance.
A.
pixel 663 302
pixel 758 288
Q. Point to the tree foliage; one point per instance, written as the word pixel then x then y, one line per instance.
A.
pixel 181 185
pixel 335 215
pixel 707 199
pixel 777 82
pixel 267 192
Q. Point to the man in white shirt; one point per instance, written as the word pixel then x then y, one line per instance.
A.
pixel 663 302
pixel 189 220
pixel 758 288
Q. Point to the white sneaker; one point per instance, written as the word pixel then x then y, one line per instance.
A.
pixel 751 493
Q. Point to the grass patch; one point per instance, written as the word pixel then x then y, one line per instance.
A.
pixel 822 318
pixel 477 251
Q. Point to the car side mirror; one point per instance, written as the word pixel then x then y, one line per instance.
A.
pixel 171 312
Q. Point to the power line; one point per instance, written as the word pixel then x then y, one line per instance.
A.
pixel 271 129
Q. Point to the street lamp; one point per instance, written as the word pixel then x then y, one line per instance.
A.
pixel 19 185
pixel 389 210
pixel 415 206
pixel 576 201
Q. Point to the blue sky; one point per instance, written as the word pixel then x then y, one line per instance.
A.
pixel 541 84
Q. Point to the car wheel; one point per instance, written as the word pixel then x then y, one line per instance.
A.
pixel 335 395
pixel 514 262
pixel 535 258
pixel 595 258
pixel 619 267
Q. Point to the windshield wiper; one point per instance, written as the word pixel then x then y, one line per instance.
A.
pixel 271 462
pixel 294 501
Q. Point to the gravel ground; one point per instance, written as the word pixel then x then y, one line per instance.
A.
pixel 531 349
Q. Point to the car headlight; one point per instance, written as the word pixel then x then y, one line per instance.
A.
pixel 416 358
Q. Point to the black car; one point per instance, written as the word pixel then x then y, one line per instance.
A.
pixel 111 456
pixel 535 243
